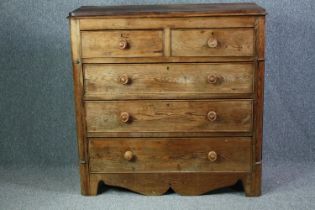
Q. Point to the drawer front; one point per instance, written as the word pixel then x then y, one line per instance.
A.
pixel 122 43
pixel 171 81
pixel 169 116
pixel 213 42
pixel 170 155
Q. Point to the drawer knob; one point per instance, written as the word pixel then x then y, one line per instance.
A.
pixel 212 42
pixel 123 44
pixel 124 117
pixel 124 79
pixel 212 79
pixel 212 156
pixel 212 116
pixel 128 155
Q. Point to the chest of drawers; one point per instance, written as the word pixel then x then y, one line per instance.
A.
pixel 169 96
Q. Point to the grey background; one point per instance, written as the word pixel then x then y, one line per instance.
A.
pixel 37 126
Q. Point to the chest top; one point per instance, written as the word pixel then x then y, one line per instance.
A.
pixel 214 9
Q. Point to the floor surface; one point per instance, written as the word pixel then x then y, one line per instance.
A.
pixel 286 186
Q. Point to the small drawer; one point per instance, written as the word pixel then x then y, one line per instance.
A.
pixel 122 43
pixel 217 154
pixel 169 116
pixel 212 42
pixel 167 81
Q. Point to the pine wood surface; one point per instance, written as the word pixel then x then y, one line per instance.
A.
pixel 169 116
pixel 231 42
pixel 170 155
pixel 103 23
pixel 106 43
pixel 169 96
pixel 171 81
pixel 213 9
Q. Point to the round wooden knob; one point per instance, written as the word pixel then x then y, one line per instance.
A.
pixel 212 116
pixel 123 44
pixel 212 156
pixel 128 155
pixel 212 79
pixel 124 117
pixel 124 79
pixel 212 42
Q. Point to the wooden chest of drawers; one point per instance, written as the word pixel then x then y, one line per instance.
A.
pixel 169 96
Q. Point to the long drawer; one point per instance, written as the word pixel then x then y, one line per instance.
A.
pixel 169 116
pixel 170 155
pixel 168 81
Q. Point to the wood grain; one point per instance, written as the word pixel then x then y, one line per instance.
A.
pixel 160 183
pixel 170 155
pixel 260 89
pixel 79 109
pixel 169 116
pixel 141 43
pixel 158 81
pixel 231 42
pixel 170 10
pixel 140 134
pixel 158 23
pixel 169 96
pixel 252 181
pixel 171 59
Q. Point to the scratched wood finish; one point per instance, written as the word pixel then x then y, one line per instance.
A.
pixel 178 125
pixel 149 81
pixel 159 183
pixel 252 183
pixel 169 116
pixel 157 23
pixel 170 10
pixel 79 110
pixel 170 59
pixel 170 155
pixel 260 86
pixel 231 42
pixel 140 134
pixel 141 43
